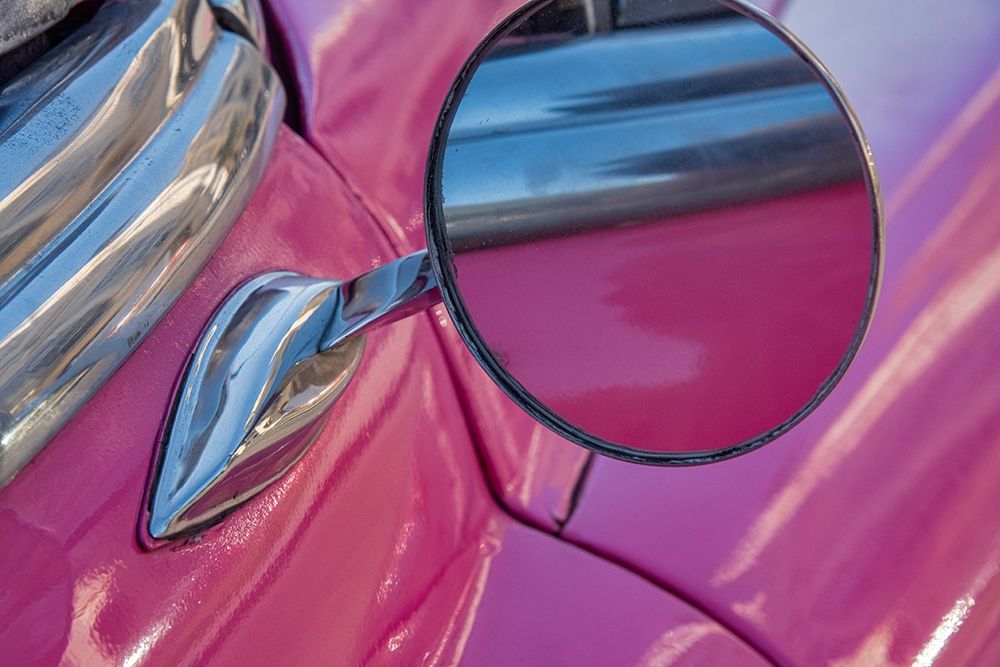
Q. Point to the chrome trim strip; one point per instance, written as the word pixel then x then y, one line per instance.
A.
pixel 273 360
pixel 128 153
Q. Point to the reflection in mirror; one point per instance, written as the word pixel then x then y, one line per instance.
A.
pixel 655 224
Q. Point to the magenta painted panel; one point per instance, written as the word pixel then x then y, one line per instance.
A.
pixel 871 533
pixel 382 546
pixel 696 333
pixel 533 471
pixel 372 77
pixel 374 533
pixel 540 605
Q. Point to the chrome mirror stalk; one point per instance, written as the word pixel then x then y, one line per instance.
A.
pixel 273 360
pixel 382 296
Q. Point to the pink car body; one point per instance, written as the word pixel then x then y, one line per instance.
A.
pixel 434 522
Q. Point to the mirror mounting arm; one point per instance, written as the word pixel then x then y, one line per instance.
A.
pixel 381 296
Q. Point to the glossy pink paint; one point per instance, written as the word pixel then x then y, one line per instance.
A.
pixel 392 493
pixel 382 546
pixel 866 536
pixel 869 534
pixel 568 607
pixel 532 471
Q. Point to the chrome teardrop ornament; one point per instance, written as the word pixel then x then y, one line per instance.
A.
pixel 248 405
pixel 272 361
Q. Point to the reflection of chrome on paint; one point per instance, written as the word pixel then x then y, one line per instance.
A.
pixel 272 361
pixel 643 123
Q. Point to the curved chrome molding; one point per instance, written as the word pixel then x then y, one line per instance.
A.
pixel 128 153
pixel 272 361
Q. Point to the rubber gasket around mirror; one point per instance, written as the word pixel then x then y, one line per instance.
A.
pixel 441 256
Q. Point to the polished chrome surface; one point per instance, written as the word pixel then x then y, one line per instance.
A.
pixel 244 17
pixel 22 20
pixel 382 296
pixel 256 384
pixel 128 151
pixel 617 135
pixel 272 361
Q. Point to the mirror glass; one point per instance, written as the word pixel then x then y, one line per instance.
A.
pixel 654 224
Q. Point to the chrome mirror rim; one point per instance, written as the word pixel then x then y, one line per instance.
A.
pixel 440 253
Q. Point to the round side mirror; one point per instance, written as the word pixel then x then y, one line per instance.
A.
pixel 655 223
